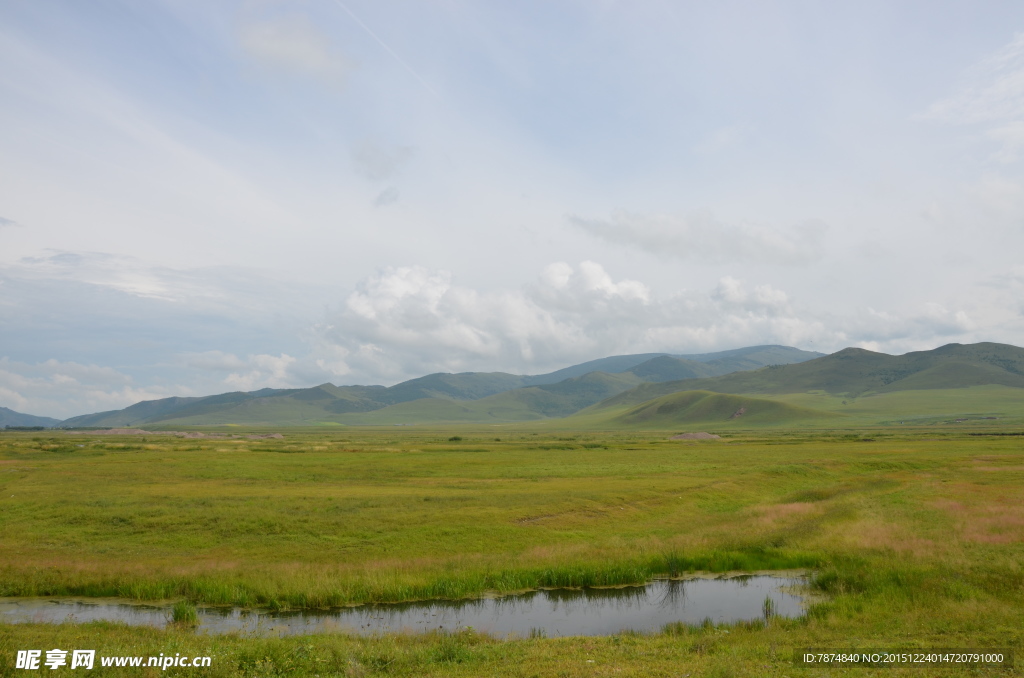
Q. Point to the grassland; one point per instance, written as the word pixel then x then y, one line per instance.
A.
pixel 916 535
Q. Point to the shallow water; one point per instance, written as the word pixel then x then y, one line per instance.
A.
pixel 558 612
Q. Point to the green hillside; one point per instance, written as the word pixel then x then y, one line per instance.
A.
pixel 838 384
pixel 9 417
pixel 517 397
pixel 705 407
pixel 522 404
pixel 853 372
pixel 968 406
pixel 138 413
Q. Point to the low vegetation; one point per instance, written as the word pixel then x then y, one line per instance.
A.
pixel 915 535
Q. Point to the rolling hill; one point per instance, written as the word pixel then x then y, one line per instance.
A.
pixel 9 417
pixel 855 372
pixel 705 407
pixel 953 383
pixel 773 385
pixel 470 396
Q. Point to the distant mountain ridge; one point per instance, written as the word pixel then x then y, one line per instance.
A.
pixel 855 372
pixel 472 396
pixel 9 417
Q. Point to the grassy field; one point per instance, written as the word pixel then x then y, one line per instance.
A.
pixel 916 536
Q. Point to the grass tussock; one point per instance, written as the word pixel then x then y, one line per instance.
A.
pixel 184 613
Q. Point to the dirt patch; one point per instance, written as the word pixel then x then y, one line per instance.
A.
pixel 114 432
pixel 696 436
pixel 179 434
pixel 738 413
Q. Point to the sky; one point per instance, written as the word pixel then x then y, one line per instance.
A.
pixel 202 197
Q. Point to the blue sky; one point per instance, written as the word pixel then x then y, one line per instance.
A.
pixel 199 197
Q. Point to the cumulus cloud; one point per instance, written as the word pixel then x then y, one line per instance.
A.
pixel 250 373
pixel 702 237
pixel 293 45
pixel 409 321
pixel 64 389
pixel 401 323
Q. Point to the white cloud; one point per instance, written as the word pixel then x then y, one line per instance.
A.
pixel 994 91
pixel 406 322
pixel 121 273
pixel 409 321
pixel 295 46
pixel 252 372
pixel 993 97
pixel 263 371
pixel 64 389
pixel 224 289
pixel 703 238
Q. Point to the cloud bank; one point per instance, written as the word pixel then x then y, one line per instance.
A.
pixel 410 321
pixel 143 332
pixel 65 389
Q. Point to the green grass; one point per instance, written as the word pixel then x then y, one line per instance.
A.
pixel 184 613
pixel 916 538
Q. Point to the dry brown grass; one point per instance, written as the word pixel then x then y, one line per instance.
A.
pixel 779 513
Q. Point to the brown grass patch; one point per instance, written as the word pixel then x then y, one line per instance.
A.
pixel 996 525
pixel 990 519
pixel 880 536
pixel 775 513
pixel 950 506
pixel 998 468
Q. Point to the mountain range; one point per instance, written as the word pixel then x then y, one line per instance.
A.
pixel 469 396
pixel 955 383
pixel 756 386
pixel 9 417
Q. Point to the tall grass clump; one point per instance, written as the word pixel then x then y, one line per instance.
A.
pixel 674 563
pixel 184 614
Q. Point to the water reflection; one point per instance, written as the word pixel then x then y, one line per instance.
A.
pixel 558 612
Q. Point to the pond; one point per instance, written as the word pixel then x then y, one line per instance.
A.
pixel 554 612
